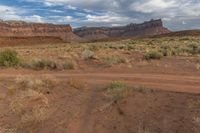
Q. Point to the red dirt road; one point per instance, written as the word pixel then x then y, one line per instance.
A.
pixel 189 83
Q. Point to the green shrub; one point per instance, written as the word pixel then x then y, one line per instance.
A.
pixel 68 65
pixel 167 50
pixel 88 54
pixel 9 58
pixel 43 64
pixel 193 49
pixel 118 90
pixel 153 55
pixel 113 60
pixel 94 47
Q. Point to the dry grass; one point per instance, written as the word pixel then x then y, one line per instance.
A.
pixel 37 115
pixel 29 101
pixel 41 84
pixel 76 83
pixel 80 53
pixel 118 90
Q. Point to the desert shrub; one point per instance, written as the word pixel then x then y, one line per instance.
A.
pixel 68 65
pixel 153 55
pixel 29 92
pixel 197 59
pixel 9 58
pixel 95 47
pixel 118 90
pixel 43 64
pixel 42 84
pixel 142 89
pixel 166 50
pixel 76 83
pixel 130 47
pixel 113 60
pixel 88 54
pixel 193 49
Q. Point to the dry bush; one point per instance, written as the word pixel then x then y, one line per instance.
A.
pixel 153 55
pixel 33 82
pixel 76 83
pixel 37 115
pixel 11 91
pixel 68 65
pixel 88 54
pixel 29 102
pixel 17 106
pixel 40 64
pixel 118 90
pixel 113 60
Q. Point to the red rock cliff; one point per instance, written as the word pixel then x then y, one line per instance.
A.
pixel 152 27
pixel 23 29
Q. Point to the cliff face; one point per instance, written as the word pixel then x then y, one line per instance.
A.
pixel 23 29
pixel 19 30
pixel 149 28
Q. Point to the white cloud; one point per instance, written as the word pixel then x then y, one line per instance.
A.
pixel 117 12
pixel 34 18
pixel 14 13
pixel 153 5
pixel 62 19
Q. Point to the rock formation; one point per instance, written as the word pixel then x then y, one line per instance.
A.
pixel 24 29
pixel 25 32
pixel 149 28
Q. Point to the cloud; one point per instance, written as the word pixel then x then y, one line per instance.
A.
pixel 111 12
pixel 152 5
pixel 15 13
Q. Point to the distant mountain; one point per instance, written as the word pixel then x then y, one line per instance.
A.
pixel 148 28
pixel 19 30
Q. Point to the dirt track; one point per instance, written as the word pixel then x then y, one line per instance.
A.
pixel 169 82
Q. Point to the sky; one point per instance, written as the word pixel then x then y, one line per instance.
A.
pixel 176 14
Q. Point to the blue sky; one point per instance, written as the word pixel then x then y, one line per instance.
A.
pixel 176 14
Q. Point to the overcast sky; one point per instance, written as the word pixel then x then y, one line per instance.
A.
pixel 176 14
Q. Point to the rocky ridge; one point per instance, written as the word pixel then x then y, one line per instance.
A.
pixel 148 28
pixel 21 29
pixel 24 29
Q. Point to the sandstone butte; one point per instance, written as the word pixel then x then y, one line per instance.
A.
pixel 148 28
pixel 24 29
pixel 20 29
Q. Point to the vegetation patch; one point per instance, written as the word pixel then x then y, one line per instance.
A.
pixel 113 60
pixel 31 90
pixel 88 54
pixel 118 90
pixel 9 58
pixel 153 55
pixel 68 65
pixel 76 83
pixel 43 64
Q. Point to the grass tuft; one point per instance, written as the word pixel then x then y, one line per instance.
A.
pixel 118 90
pixel 153 55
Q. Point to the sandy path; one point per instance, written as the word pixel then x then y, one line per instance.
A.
pixel 169 82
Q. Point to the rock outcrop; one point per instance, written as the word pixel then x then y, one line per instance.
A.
pixel 149 28
pixel 25 32
pixel 24 29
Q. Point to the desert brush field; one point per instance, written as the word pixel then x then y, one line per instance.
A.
pixel 145 85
